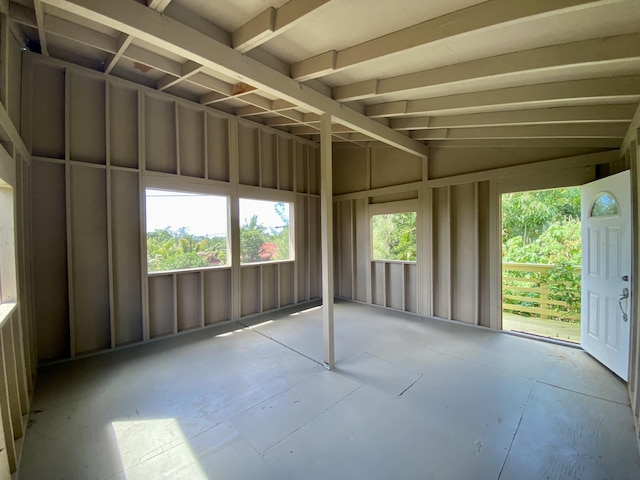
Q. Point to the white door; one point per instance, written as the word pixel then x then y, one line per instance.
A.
pixel 606 271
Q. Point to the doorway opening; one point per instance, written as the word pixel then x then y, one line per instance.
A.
pixel 541 263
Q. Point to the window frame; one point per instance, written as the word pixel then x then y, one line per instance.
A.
pixel 154 182
pixel 389 208
pixel 276 196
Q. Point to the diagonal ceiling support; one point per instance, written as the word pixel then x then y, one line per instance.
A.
pixel 139 21
pixel 271 23
pixel 552 59
pixel 482 16
pixel 42 34
pixel 619 90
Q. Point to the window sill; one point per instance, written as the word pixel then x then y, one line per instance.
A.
pixel 6 310
pixel 187 270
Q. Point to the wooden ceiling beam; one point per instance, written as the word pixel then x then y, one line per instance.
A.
pixel 42 34
pixel 167 34
pixel 550 143
pixel 604 130
pixel 158 5
pixel 485 15
pixel 621 90
pixel 581 114
pixel 272 22
pixel 550 59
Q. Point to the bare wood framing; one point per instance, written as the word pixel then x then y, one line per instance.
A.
pixel 326 215
pixel 625 89
pixel 123 43
pixel 135 19
pixel 559 115
pixel 549 59
pixel 272 22
pixel 483 16
pixel 42 35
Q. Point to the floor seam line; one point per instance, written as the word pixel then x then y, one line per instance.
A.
pixel 582 393
pixel 312 419
pixel 283 344
pixel 513 439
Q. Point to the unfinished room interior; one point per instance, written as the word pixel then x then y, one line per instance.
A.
pixel 203 272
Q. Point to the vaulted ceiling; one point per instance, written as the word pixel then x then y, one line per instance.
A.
pixel 408 73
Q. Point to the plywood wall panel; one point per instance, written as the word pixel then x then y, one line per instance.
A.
pixel 218 148
pixel 161 306
pixel 302 168
pixel 441 252
pixel 125 214
pixel 268 160
pixel 189 301
pixel 361 245
pixel 411 288
pixel 248 149
pixel 160 135
pixel 286 282
pixel 217 296
pixel 285 163
pixel 302 240
pixel 49 260
pixel 463 258
pixel 314 171
pixel 269 279
pixel 250 290
pixel 345 249
pixel 394 282
pixel 90 269
pixel 378 283
pixel 123 126
pixel 393 167
pixel 349 170
pixel 87 118
pixel 484 246
pixel 313 245
pixel 191 142
pixel 48 116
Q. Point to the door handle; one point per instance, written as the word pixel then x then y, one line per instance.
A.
pixel 623 296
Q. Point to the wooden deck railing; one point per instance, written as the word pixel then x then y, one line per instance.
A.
pixel 530 291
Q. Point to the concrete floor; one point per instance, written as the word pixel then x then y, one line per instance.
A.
pixel 410 399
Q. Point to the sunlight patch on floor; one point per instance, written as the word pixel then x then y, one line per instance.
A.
pixel 155 449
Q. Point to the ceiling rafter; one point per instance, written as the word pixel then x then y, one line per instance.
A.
pixel 482 16
pixel 272 22
pixel 42 35
pixel 125 40
pixel 604 130
pixel 559 115
pixel 598 51
pixel 188 69
pixel 625 89
pixel 551 143
pixel 134 19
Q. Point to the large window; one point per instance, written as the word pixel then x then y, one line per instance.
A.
pixel 186 230
pixel 394 236
pixel 8 292
pixel 265 231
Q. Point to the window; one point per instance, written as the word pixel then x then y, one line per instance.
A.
pixel 8 292
pixel 394 236
pixel 605 206
pixel 186 230
pixel 265 233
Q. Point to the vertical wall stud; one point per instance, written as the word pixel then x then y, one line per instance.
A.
pixel 112 302
pixel 142 166
pixel 476 253
pixel 450 252
pixel 67 181
pixel 495 260
pixel 234 218
pixel 326 214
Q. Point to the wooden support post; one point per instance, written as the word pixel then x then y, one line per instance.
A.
pixel 326 216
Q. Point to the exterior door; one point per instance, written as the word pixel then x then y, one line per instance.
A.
pixel 606 271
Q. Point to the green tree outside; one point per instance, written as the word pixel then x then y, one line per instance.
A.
pixel 394 236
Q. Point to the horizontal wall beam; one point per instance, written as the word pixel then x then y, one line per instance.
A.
pixel 150 26
pixel 622 90
pixel 559 115
pixel 485 15
pixel 599 143
pixel 597 52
